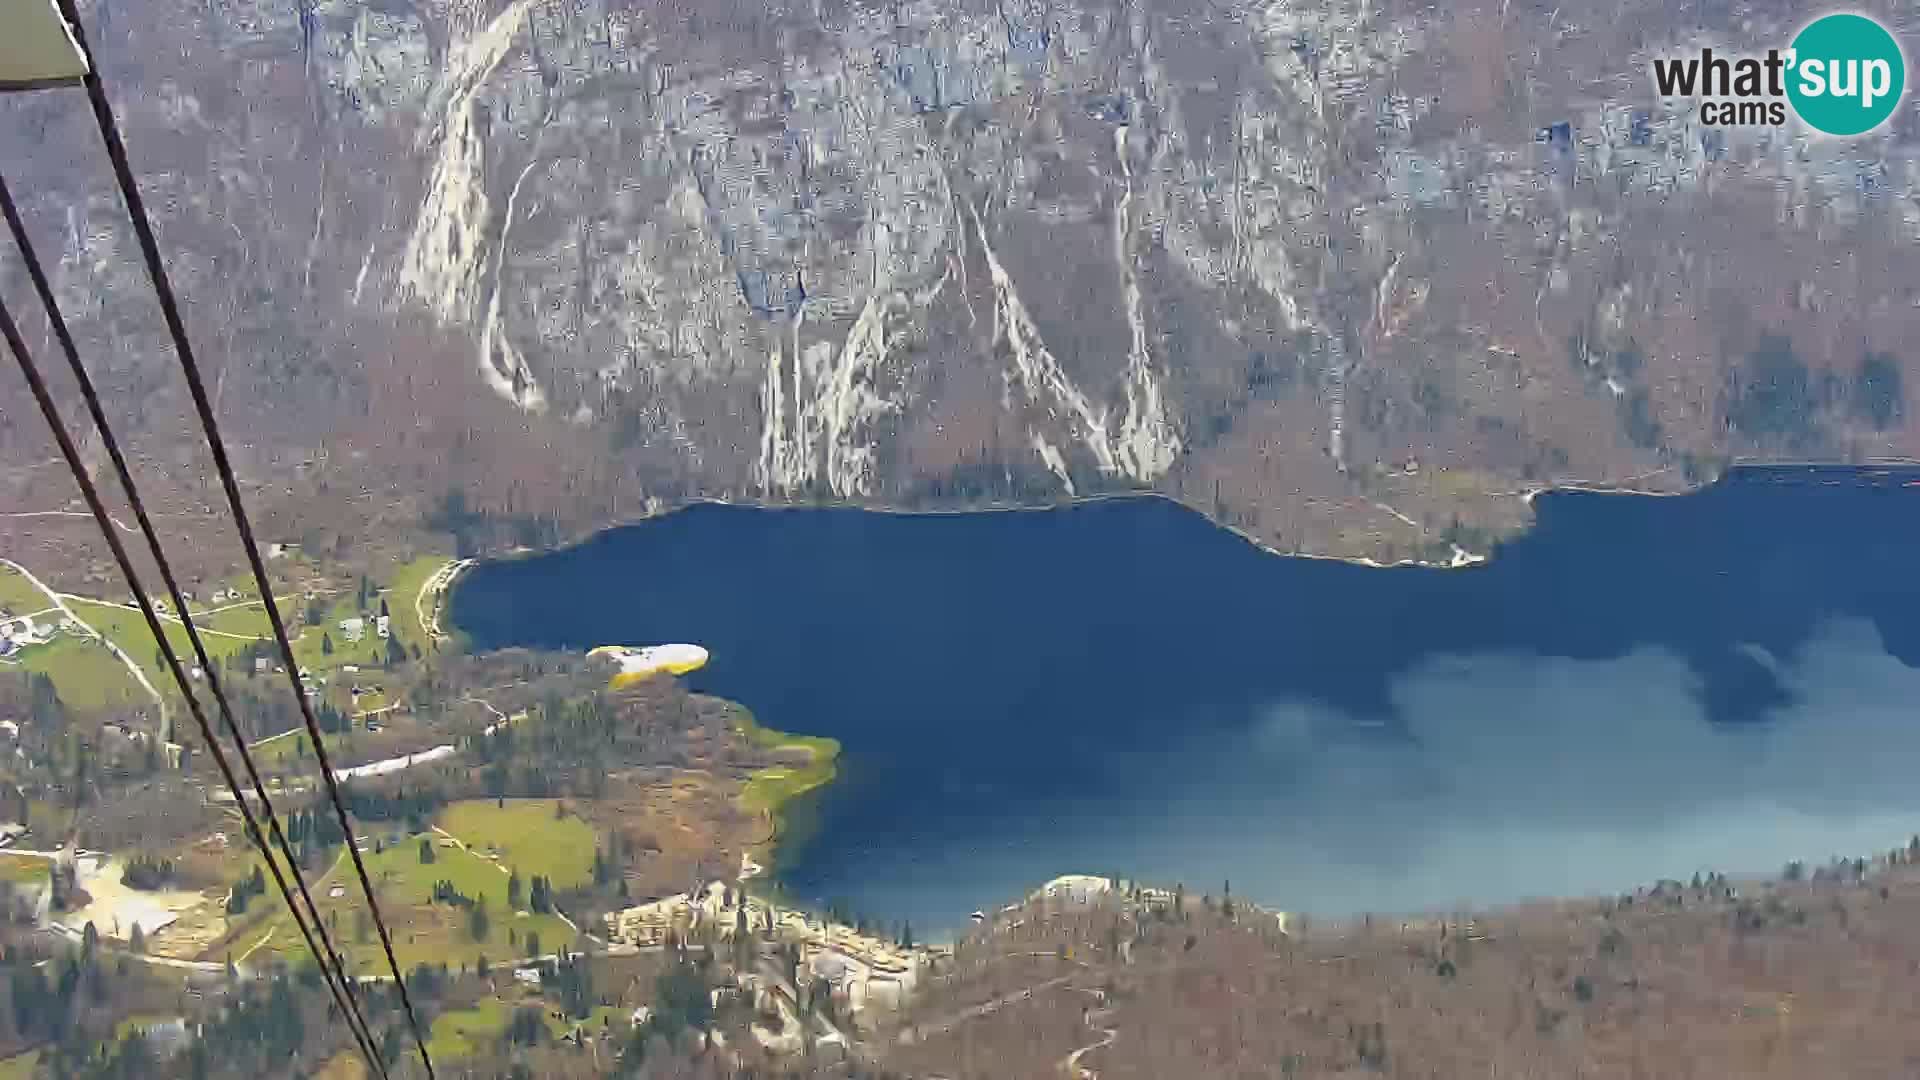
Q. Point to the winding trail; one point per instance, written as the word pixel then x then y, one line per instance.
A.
pixel 915 1032
pixel 502 867
pixel 500 719
pixel 255 947
pixel 1071 1064
pixel 1095 1018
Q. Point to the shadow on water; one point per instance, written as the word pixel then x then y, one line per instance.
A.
pixel 1638 687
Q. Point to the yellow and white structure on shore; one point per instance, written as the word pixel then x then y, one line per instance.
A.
pixel 640 664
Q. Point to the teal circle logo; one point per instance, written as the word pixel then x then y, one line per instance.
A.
pixel 1846 74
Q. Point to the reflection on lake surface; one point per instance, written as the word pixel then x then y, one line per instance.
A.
pixel 1638 688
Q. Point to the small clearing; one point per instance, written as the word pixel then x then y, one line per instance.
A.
pixel 527 836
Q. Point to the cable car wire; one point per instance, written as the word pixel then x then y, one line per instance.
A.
pixel 176 329
pixel 52 413
pixel 330 965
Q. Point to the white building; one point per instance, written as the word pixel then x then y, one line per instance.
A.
pixel 1073 888
pixel 23 631
pixel 353 629
pixel 382 626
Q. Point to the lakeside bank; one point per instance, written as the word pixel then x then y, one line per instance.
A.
pixel 657 509
pixel 785 796
pixel 770 792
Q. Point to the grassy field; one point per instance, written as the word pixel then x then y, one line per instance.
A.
pixel 423 932
pixel 134 1023
pixel 769 788
pixel 23 869
pixel 277 748
pixel 293 747
pixel 20 1066
pixel 89 677
pixel 403 585
pixel 311 650
pixel 17 594
pixel 412 881
pixel 608 1016
pixel 345 1065
pixel 250 620
pixel 237 861
pixel 460 1033
pixel 85 673
pixel 128 629
pixel 527 837
pixel 404 589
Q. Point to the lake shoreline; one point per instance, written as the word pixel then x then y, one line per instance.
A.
pixel 1021 680
pixel 772 791
pixel 1461 558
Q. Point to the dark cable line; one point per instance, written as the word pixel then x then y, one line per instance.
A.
pixel 52 413
pixel 332 968
pixel 170 311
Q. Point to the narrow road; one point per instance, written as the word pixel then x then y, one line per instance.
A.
pixel 121 525
pixel 167 616
pixel 139 675
pixel 107 946
pixel 487 705
pixel 1071 1065
pixel 915 1032
pixel 273 921
pixel 184 965
pixel 500 719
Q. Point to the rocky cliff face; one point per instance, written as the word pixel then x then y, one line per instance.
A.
pixel 1352 276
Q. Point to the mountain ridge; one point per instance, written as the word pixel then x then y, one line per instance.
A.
pixel 1347 278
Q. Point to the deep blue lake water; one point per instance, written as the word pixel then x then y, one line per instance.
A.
pixel 1639 687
